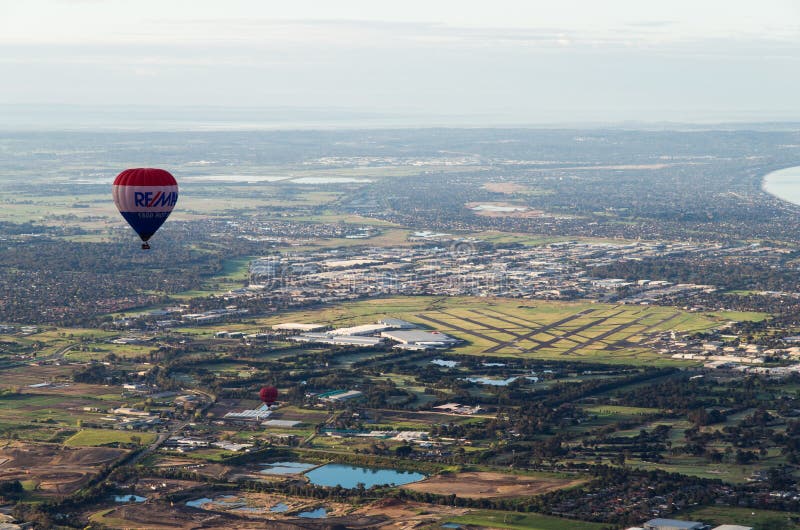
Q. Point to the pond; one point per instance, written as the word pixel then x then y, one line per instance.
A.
pixel 498 382
pixel 285 468
pixel 445 363
pixel 279 508
pixel 350 476
pixel 129 498
pixel 198 503
pixel 319 513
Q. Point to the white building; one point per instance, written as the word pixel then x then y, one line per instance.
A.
pixel 420 338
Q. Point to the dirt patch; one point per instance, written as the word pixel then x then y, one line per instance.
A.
pixel 407 514
pixel 485 485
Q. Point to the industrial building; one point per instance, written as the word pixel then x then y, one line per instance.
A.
pixel 252 415
pixel 341 340
pixel 396 323
pixel 419 338
pixel 295 326
pixel 340 395
pixel 674 524
pixel 364 329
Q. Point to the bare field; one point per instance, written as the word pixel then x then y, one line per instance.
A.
pixel 487 485
pixel 56 470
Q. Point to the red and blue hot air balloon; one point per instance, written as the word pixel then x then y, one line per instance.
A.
pixel 145 197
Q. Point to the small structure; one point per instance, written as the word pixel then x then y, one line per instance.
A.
pixel 457 408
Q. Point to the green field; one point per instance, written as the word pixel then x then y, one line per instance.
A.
pixel 95 437
pixel 758 519
pixel 527 521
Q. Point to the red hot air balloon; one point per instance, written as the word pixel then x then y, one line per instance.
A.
pixel 268 395
pixel 145 197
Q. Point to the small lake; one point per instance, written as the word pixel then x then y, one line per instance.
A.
pixel 350 476
pixel 328 180
pixel 129 498
pixel 198 503
pixel 319 513
pixel 498 382
pixel 279 508
pixel 784 184
pixel 445 363
pixel 285 468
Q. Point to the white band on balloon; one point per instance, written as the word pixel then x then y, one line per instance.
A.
pixel 145 198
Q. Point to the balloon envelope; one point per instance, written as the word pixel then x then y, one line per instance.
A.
pixel 145 197
pixel 268 394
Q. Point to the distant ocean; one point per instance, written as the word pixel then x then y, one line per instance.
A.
pixel 784 184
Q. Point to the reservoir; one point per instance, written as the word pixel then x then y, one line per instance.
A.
pixel 349 476
pixel 784 184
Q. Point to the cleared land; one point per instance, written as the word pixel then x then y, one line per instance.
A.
pixel 52 469
pixel 487 485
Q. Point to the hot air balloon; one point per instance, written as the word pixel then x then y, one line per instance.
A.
pixel 268 395
pixel 145 197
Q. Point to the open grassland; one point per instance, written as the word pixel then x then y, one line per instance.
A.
pixel 530 329
pixel 519 521
pixel 98 437
pixel 758 519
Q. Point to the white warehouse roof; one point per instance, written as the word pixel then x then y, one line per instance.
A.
pixel 416 336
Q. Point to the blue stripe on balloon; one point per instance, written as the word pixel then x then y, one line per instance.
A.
pixel 145 223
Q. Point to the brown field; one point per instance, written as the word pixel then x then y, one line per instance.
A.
pixel 56 470
pixel 408 514
pixel 156 516
pixel 484 485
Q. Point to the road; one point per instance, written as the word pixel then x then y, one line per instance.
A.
pixel 175 430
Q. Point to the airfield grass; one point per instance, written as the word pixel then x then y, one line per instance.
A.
pixel 504 325
pixel 526 521
pixel 97 437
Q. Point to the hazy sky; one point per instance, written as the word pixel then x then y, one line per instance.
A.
pixel 495 61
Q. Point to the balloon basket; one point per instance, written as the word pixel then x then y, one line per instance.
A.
pixel 145 246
